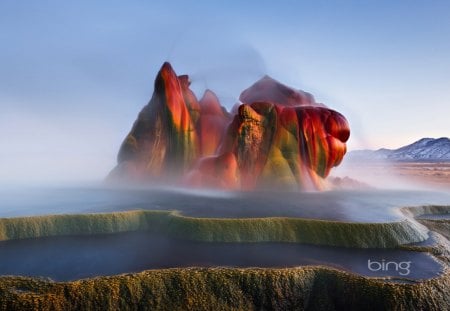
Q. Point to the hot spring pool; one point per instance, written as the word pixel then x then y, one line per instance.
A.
pixel 73 257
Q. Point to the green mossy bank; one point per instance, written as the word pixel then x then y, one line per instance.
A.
pixel 441 226
pixel 271 229
pixel 308 288
pixel 303 288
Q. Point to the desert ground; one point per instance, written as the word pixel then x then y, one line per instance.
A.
pixel 427 175
pixel 432 173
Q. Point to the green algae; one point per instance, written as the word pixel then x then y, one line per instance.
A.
pixel 270 229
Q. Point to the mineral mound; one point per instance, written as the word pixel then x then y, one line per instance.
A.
pixel 276 137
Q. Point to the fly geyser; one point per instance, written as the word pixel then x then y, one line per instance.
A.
pixel 276 137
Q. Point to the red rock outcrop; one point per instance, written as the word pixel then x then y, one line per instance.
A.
pixel 277 137
pixel 162 141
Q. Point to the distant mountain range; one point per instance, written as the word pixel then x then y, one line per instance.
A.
pixel 425 149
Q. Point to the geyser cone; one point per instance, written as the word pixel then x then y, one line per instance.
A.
pixel 284 146
pixel 162 142
pixel 277 137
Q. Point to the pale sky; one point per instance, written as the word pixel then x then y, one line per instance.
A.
pixel 73 76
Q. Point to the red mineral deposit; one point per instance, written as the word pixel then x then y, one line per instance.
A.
pixel 278 137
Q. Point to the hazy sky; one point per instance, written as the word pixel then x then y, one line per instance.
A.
pixel 73 76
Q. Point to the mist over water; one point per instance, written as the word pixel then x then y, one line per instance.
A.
pixel 359 206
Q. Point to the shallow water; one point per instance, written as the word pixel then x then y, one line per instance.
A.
pixel 359 206
pixel 75 257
